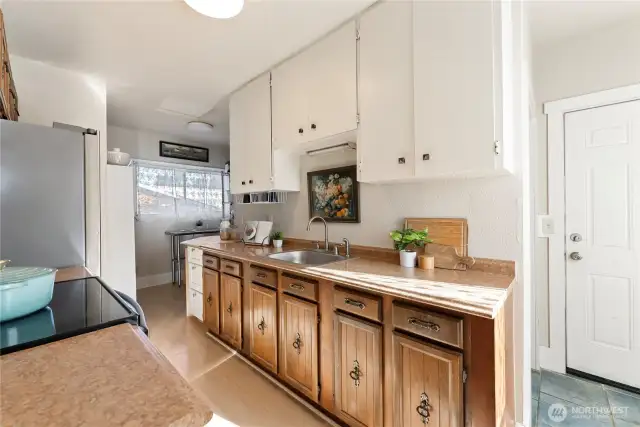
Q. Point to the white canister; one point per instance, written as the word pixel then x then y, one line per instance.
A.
pixel 277 243
pixel 408 259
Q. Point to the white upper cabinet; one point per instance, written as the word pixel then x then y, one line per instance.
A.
pixel 431 78
pixel 314 93
pixel 385 91
pixel 250 137
pixel 255 166
pixel 460 57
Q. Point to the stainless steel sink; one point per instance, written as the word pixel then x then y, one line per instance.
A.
pixel 307 257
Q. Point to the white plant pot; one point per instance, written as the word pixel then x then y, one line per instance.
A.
pixel 277 243
pixel 408 259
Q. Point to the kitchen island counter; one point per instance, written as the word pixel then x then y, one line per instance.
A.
pixel 111 377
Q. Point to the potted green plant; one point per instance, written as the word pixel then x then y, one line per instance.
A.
pixel 276 238
pixel 406 241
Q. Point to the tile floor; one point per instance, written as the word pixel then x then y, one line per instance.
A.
pixel 582 403
pixel 238 395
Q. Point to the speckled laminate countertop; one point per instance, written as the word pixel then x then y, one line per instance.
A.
pixel 111 377
pixel 472 291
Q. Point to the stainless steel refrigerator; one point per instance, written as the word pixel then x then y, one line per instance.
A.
pixel 42 195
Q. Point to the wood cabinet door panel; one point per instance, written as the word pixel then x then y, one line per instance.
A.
pixel 299 344
pixel 211 297
pixel 358 372
pixel 263 340
pixel 231 309
pixel 427 384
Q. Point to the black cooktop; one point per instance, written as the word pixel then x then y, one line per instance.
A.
pixel 77 307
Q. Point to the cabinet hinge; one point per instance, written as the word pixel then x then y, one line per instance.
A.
pixel 496 147
pixel 358 118
pixel 318 318
pixel 464 376
pixel 357 34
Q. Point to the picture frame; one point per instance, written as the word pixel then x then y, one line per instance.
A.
pixel 175 150
pixel 334 194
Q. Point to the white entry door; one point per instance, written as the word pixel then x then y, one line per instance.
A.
pixel 602 147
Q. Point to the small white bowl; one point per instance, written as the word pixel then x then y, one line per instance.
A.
pixel 117 157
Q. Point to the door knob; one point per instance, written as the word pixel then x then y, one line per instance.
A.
pixel 575 256
pixel 575 237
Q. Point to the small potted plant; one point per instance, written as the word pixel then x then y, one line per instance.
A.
pixel 406 241
pixel 276 237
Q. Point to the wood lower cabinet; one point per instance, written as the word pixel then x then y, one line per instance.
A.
pixel 211 296
pixel 231 310
pixel 299 344
pixel 427 384
pixel 358 371
pixel 263 338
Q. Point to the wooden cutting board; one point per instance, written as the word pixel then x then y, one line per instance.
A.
pixel 445 233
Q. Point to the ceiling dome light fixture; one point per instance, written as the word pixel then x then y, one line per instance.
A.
pixel 199 127
pixel 220 9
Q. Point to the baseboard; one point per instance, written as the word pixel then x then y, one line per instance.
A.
pixel 153 280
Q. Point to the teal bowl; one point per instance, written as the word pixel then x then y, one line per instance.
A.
pixel 24 290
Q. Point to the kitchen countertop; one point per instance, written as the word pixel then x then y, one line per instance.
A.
pixel 474 292
pixel 72 273
pixel 111 377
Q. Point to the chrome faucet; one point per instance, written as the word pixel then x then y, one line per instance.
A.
pixel 347 247
pixel 326 230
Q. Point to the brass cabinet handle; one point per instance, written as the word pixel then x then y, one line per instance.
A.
pixel 230 308
pixel 297 343
pixel 209 298
pixel 209 261
pixel 296 286
pixel 262 326
pixel 262 275
pixel 424 408
pixel 355 303
pixel 356 373
pixel 228 267
pixel 424 324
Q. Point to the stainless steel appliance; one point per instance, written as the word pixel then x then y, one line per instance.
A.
pixel 42 195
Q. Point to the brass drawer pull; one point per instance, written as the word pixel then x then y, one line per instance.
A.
pixel 297 343
pixel 262 326
pixel 424 408
pixel 356 373
pixel 229 267
pixel 261 275
pixel 209 299
pixel 425 324
pixel 296 286
pixel 230 308
pixel 355 303
pixel 209 261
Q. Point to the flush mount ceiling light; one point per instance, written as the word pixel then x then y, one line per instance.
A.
pixel 221 9
pixel 200 127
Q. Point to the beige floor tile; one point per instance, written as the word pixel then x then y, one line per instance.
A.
pixel 238 395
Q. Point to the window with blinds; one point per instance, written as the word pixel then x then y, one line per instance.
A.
pixel 181 192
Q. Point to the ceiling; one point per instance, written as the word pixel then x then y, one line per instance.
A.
pixel 552 20
pixel 165 64
pixel 161 59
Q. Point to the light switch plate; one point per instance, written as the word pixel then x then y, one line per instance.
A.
pixel 545 226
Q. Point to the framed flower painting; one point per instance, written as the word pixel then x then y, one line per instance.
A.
pixel 333 194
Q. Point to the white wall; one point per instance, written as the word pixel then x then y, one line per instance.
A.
pixel 153 265
pixel 49 94
pixel 144 145
pixel 600 60
pixel 489 204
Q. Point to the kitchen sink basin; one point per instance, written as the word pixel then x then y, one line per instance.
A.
pixel 307 257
